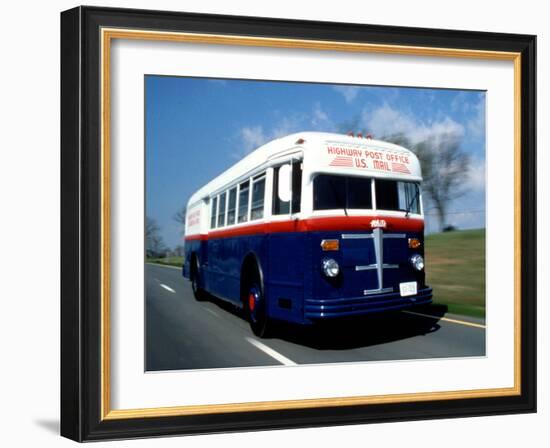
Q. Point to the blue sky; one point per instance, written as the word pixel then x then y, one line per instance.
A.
pixel 196 128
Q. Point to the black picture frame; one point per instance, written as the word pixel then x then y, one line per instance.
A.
pixel 81 208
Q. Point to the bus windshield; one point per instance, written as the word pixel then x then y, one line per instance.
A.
pixel 332 192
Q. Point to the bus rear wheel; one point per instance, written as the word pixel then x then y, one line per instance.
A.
pixel 256 310
pixel 198 292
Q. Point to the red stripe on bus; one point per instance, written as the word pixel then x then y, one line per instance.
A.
pixel 358 223
pixel 334 223
pixel 196 237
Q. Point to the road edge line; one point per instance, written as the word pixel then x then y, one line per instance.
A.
pixel 447 319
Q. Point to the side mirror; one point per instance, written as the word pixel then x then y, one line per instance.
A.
pixel 284 191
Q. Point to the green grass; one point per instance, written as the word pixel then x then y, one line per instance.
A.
pixel 455 269
pixel 170 261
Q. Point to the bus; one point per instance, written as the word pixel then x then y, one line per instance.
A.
pixel 310 227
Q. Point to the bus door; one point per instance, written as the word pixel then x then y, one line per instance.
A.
pixel 286 244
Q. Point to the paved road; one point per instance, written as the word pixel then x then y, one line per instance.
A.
pixel 184 334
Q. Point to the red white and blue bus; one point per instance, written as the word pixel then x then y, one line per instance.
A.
pixel 310 227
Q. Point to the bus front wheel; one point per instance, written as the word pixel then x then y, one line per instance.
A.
pixel 198 292
pixel 256 310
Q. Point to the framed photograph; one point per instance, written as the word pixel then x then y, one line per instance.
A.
pixel 276 224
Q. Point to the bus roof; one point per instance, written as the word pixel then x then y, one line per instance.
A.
pixel 332 152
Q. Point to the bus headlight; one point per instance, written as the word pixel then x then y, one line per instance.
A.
pixel 330 267
pixel 417 262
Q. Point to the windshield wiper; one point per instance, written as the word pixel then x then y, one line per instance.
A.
pixel 409 205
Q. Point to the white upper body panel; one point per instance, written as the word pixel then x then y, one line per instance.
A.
pixel 323 152
pixel 320 153
pixel 357 156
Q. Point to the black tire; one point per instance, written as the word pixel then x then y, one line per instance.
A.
pixel 256 307
pixel 198 292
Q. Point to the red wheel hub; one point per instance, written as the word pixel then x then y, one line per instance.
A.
pixel 251 302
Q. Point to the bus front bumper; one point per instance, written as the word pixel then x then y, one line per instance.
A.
pixel 316 309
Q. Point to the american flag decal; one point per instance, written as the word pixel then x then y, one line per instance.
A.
pixel 342 161
pixel 400 168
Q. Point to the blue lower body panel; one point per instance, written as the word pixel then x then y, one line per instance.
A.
pixel 320 309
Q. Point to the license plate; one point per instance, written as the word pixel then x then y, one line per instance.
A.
pixel 407 289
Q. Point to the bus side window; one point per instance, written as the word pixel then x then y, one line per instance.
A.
pixel 243 202
pixel 232 203
pixel 258 195
pixel 221 210
pixel 213 212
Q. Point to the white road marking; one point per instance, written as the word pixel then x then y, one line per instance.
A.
pixel 162 285
pixel 269 351
pixel 447 319
pixel 212 312
pixel 165 266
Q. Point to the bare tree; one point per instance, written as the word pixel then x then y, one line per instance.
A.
pixel 444 167
pixel 179 250
pixel 154 244
pixel 180 216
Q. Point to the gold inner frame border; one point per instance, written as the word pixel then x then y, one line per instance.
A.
pixel 107 35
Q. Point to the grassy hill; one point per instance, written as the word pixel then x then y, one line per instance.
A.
pixel 170 261
pixel 455 269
